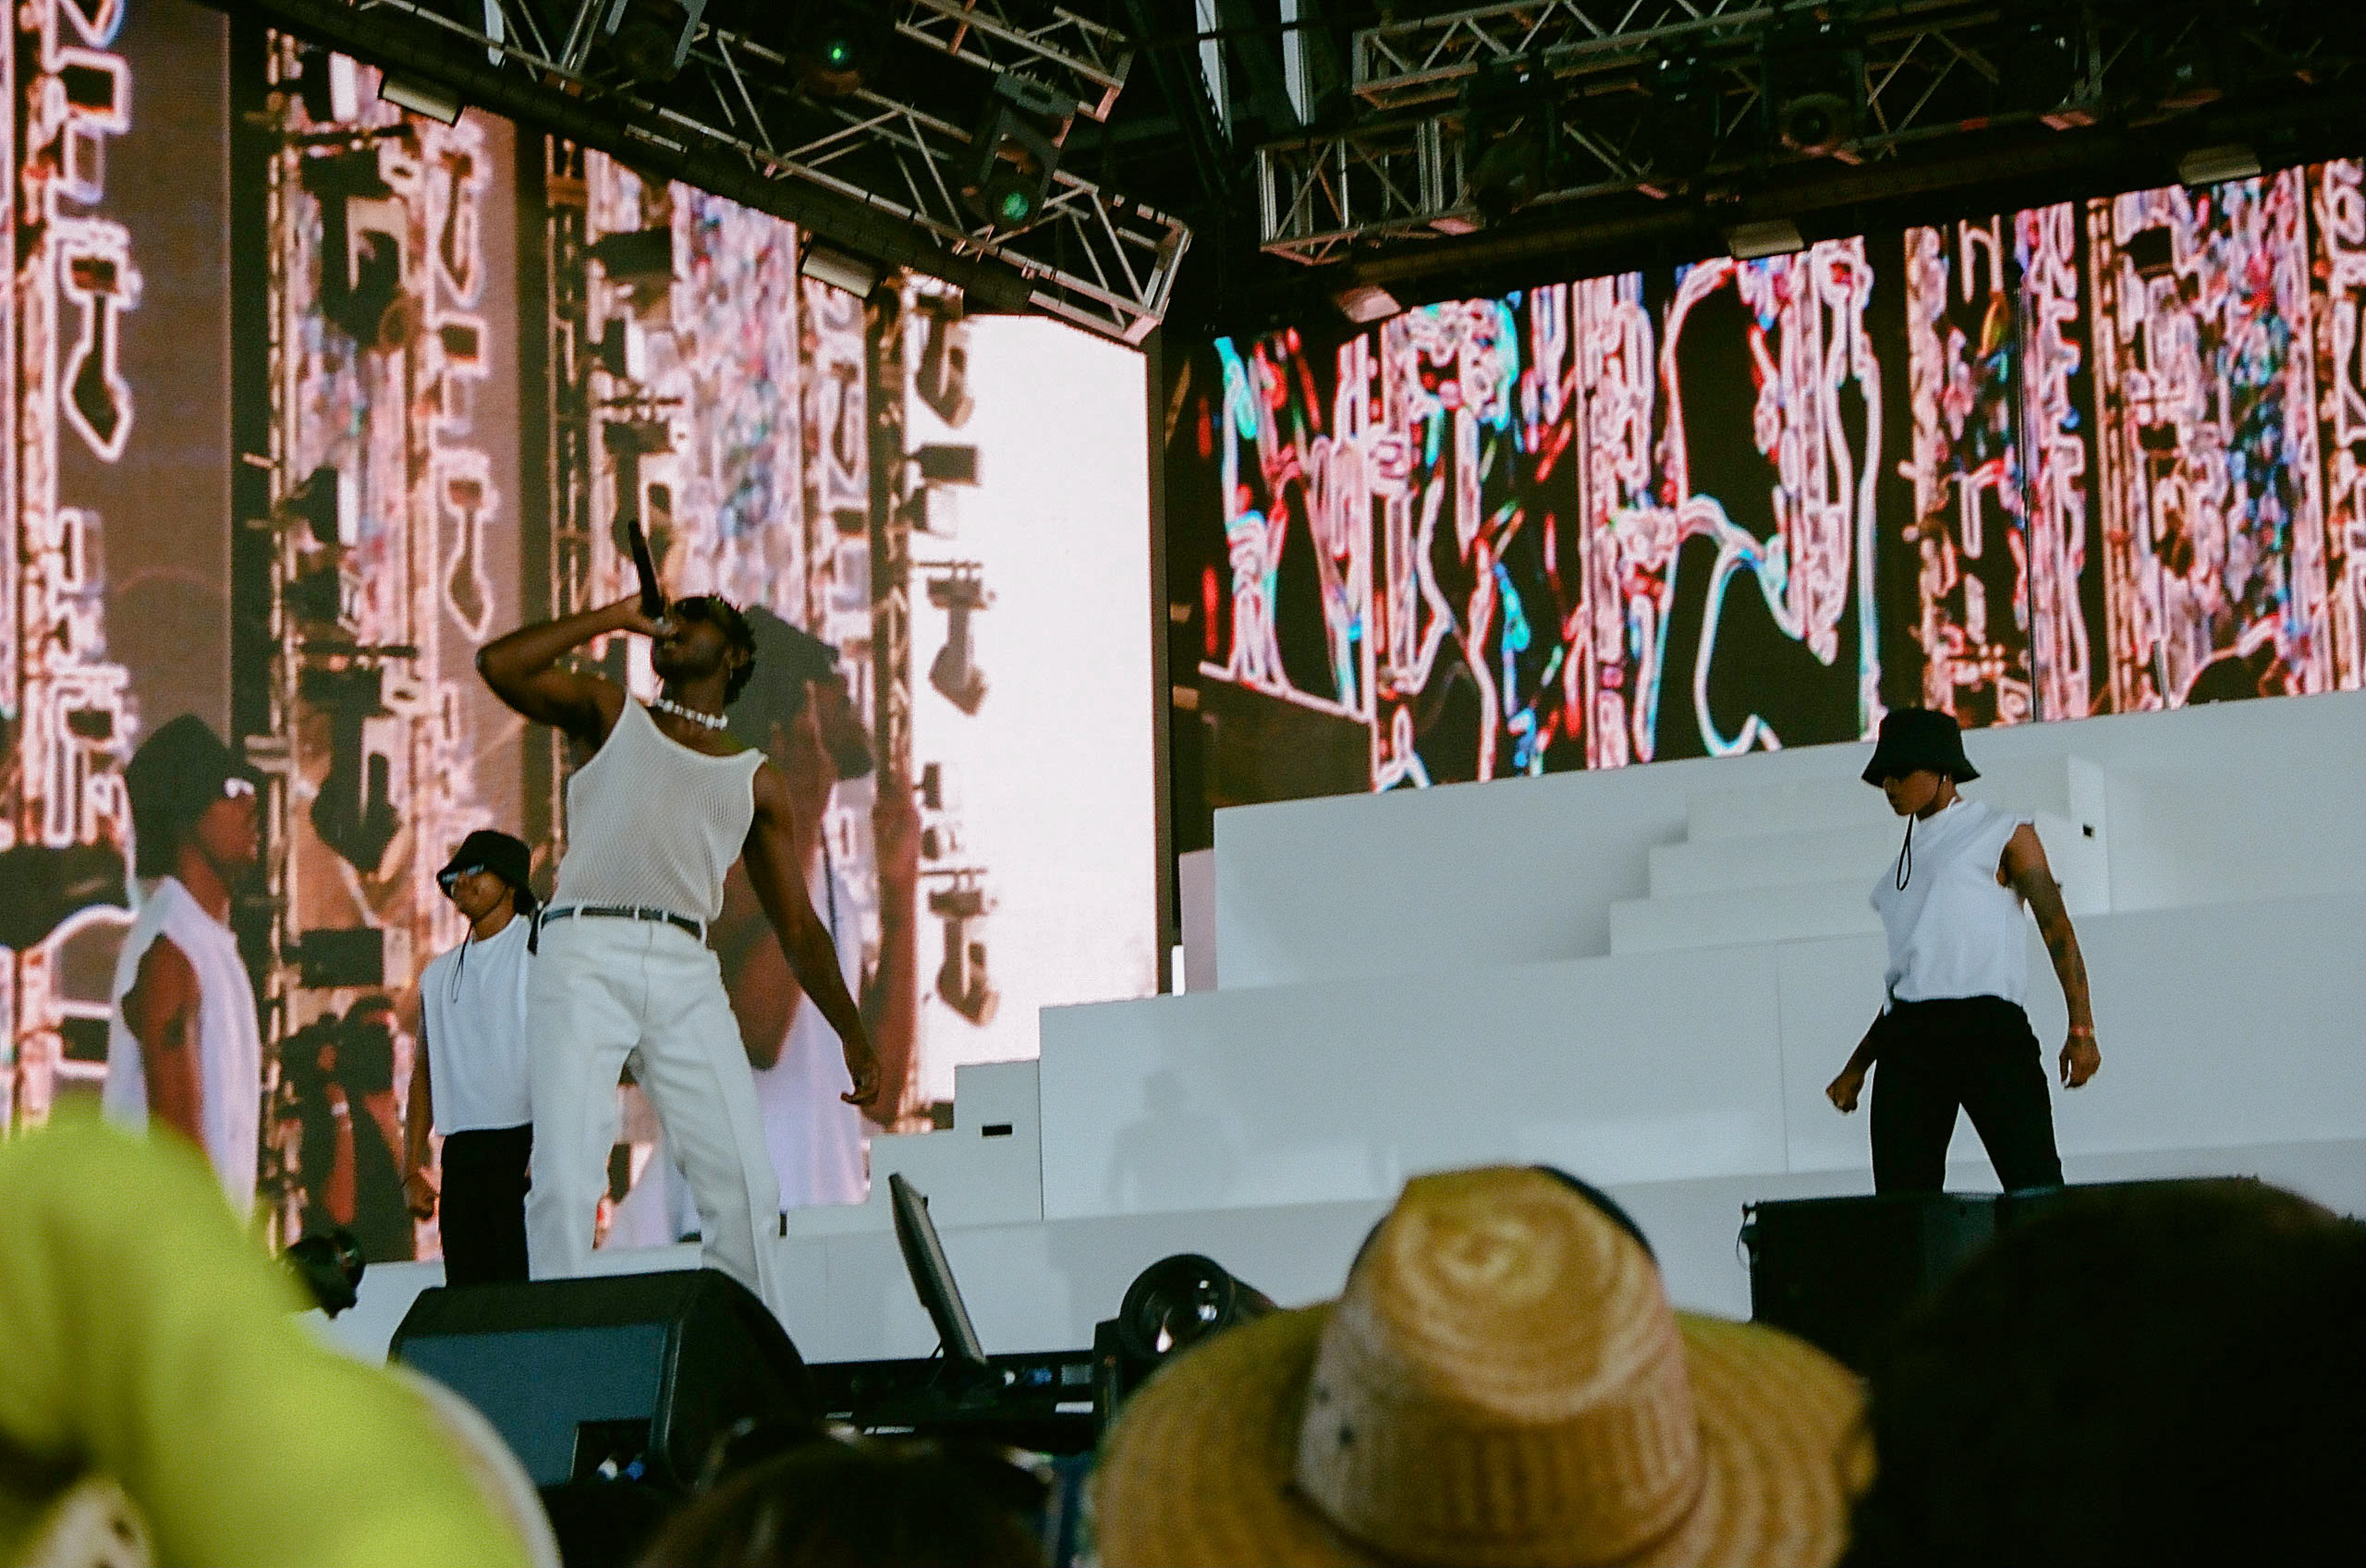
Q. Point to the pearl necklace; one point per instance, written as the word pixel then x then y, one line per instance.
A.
pixel 704 721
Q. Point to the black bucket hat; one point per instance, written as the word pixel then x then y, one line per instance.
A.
pixel 489 850
pixel 175 775
pixel 1913 739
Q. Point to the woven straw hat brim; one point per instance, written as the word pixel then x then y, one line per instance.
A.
pixel 1198 1469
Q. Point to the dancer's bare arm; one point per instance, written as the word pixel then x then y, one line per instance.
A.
pixel 523 670
pixel 2026 869
pixel 1843 1090
pixel 774 871
pixel 161 1011
pixel 419 1119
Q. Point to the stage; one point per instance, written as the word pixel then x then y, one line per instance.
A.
pixel 1592 970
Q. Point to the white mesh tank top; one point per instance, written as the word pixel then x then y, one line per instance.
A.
pixel 651 824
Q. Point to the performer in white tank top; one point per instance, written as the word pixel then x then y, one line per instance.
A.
pixel 182 1044
pixel 655 818
pixel 1952 1032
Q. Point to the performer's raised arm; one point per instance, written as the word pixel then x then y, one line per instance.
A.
pixel 523 670
pixel 780 887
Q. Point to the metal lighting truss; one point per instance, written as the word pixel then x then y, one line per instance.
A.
pixel 865 171
pixel 1617 74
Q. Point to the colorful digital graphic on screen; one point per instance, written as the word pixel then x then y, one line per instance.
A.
pixel 2086 458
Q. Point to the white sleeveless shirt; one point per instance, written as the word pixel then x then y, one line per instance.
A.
pixel 229 1046
pixel 1953 930
pixel 472 1006
pixel 651 824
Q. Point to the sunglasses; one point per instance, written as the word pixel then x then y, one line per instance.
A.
pixel 716 612
pixel 448 880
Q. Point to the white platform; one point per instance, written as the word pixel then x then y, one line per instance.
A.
pixel 1645 977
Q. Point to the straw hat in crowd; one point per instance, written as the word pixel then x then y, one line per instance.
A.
pixel 1503 1383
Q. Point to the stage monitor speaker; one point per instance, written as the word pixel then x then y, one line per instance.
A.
pixel 1839 1271
pixel 621 1377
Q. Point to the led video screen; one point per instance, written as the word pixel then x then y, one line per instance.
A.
pixel 2087 458
pixel 318 395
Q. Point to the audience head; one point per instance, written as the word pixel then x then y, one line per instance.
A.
pixel 1503 1382
pixel 2163 1373
pixel 860 1503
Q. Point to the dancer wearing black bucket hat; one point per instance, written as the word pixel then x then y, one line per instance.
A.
pixel 469 1077
pixel 1952 1032
pixel 182 1045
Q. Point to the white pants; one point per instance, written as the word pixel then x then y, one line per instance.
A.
pixel 606 989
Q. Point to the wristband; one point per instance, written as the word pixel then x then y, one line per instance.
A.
pixel 2082 1031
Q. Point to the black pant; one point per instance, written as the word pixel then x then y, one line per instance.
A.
pixel 1974 1051
pixel 483 1205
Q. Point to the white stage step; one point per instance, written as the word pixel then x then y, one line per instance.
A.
pixel 1742 917
pixel 2066 786
pixel 1783 887
pixel 1819 854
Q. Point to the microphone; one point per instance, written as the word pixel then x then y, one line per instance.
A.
pixel 653 598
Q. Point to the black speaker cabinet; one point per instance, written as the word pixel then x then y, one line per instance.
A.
pixel 624 1378
pixel 1838 1272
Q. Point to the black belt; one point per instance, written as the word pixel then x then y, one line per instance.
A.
pixel 624 912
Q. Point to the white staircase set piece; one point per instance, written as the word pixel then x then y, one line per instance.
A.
pixel 1797 862
pixel 987 1169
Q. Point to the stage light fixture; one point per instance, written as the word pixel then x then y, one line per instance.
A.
pixel 943 380
pixel 961 980
pixel 1365 303
pixel 329 1266
pixel 837 46
pixel 329 505
pixel 637 256
pixel 649 40
pixel 1171 1306
pixel 431 100
pixel 1774 236
pixel 840 271
pixel 2040 66
pixel 618 349
pixel 961 593
pixel 942 464
pixel 1015 152
pixel 1683 126
pixel 1509 115
pixel 328 86
pixel 1812 72
pixel 43 885
pixel 1816 124
pixel 2215 165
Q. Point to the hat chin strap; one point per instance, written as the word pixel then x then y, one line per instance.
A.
pixel 1906 856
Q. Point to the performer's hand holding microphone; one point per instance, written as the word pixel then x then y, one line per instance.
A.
pixel 644 566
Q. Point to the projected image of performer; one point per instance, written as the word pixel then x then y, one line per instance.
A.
pixel 182 1045
pixel 655 818
pixel 348 1158
pixel 469 1078
pixel 1953 1032
pixel 799 712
